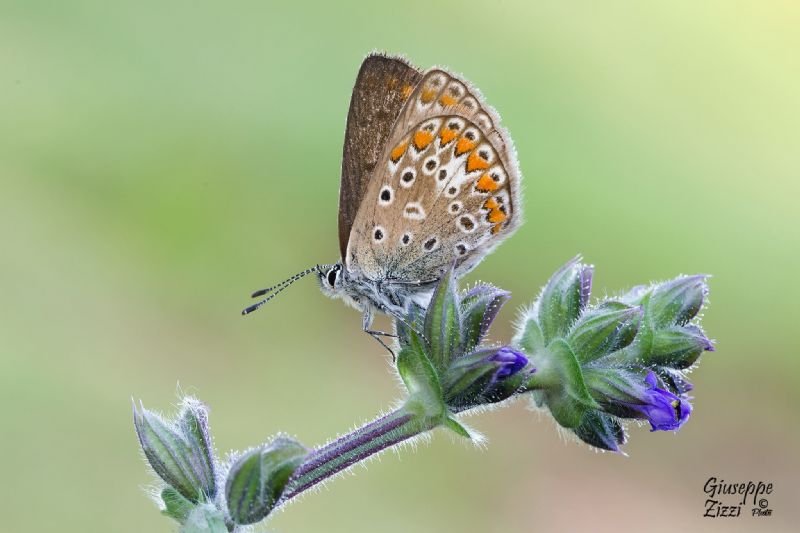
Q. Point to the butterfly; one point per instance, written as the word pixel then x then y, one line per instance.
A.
pixel 430 181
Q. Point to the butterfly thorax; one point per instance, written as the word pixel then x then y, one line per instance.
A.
pixel 385 295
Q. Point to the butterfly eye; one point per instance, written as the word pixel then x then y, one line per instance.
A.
pixel 332 274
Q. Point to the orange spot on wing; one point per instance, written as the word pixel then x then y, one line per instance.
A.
pixel 496 229
pixel 398 151
pixel 464 145
pixel 496 215
pixel 446 99
pixel 447 135
pixel 428 94
pixel 422 139
pixel 476 162
pixel 491 203
pixel 486 184
pixel 407 90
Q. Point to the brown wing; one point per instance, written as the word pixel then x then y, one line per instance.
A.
pixel 446 190
pixel 382 87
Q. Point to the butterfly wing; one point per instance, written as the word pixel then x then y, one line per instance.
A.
pixel 382 87
pixel 447 188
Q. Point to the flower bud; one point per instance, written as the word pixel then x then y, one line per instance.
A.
pixel 482 377
pixel 678 347
pixel 176 457
pixel 257 478
pixel 563 299
pixel 677 301
pixel 604 329
pixel 509 361
pixel 193 425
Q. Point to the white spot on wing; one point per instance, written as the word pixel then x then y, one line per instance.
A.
pixel 414 211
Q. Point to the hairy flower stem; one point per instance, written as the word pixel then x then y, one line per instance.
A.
pixel 329 460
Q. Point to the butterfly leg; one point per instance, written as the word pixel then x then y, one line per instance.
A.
pixel 367 322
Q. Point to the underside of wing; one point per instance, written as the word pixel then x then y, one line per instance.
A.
pixel 446 189
pixel 382 87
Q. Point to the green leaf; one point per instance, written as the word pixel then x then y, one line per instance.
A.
pixel 563 298
pixel 257 479
pixel 421 380
pixel 204 519
pixel 565 392
pixel 604 329
pixel 443 323
pixel 456 426
pixel 175 505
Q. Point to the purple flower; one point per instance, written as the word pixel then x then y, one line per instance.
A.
pixel 511 362
pixel 664 410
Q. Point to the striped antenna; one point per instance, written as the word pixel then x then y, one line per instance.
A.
pixel 276 289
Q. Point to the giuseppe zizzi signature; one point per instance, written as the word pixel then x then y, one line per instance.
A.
pixel 752 496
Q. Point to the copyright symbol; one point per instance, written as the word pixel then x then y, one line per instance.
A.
pixel 763 503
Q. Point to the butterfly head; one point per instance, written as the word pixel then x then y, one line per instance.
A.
pixel 331 279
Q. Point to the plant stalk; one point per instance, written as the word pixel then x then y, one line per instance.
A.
pixel 374 437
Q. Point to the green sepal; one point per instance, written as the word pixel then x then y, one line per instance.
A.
pixel 422 382
pixel 205 519
pixel 479 307
pixel 600 430
pixel 560 379
pixel 563 299
pixel 468 377
pixel 612 383
pixel 530 337
pixel 457 427
pixel 193 425
pixel 507 387
pixel 677 301
pixel 169 454
pixel 175 505
pixel 614 389
pixel 257 479
pixel 604 329
pixel 408 330
pixel 443 323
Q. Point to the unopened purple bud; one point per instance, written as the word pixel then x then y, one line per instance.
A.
pixel 511 360
pixel 485 376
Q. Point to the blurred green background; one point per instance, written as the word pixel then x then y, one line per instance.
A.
pixel 159 160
